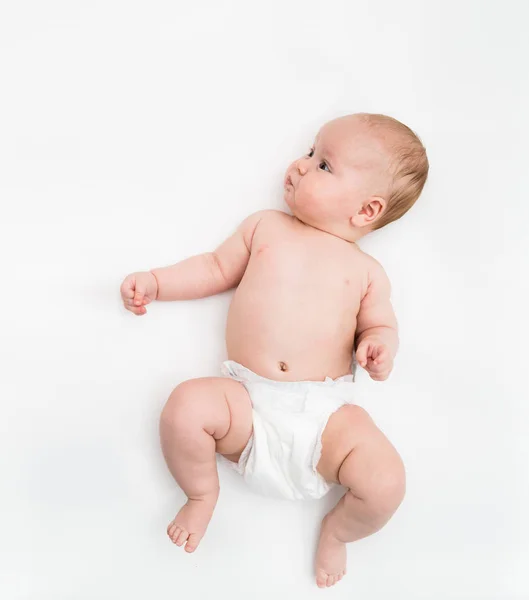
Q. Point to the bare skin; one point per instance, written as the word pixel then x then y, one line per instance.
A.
pixel 306 297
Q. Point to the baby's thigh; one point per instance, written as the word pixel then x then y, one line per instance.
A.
pixel 353 448
pixel 239 405
pixel 218 405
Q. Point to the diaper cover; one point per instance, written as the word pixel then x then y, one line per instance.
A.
pixel 289 417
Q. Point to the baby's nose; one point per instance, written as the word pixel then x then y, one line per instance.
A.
pixel 301 167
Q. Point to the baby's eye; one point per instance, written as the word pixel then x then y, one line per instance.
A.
pixel 311 153
pixel 324 165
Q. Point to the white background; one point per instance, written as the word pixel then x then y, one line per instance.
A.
pixel 135 134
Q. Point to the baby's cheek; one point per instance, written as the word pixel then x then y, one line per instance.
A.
pixel 321 200
pixel 312 204
pixel 314 195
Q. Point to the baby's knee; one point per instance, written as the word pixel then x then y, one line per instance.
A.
pixel 375 473
pixel 380 499
pixel 389 487
pixel 182 408
pixel 384 489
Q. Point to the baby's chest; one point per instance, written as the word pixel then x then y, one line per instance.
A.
pixel 314 270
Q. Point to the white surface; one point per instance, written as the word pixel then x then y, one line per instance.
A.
pixel 134 134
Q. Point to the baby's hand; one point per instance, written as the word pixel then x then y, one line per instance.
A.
pixel 374 356
pixel 137 290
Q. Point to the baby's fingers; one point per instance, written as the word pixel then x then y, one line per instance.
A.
pixel 127 288
pixel 137 310
pixel 362 354
pixel 139 295
pixel 375 369
pixel 380 355
pixel 381 363
pixel 380 376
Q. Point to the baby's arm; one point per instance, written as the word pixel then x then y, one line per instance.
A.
pixel 376 333
pixel 195 277
pixel 212 272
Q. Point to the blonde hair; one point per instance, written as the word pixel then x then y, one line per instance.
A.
pixel 409 165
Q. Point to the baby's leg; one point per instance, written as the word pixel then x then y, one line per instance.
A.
pixel 202 416
pixel 357 455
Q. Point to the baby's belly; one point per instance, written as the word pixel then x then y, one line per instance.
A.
pixel 289 338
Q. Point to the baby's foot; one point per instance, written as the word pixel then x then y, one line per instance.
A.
pixel 190 524
pixel 331 557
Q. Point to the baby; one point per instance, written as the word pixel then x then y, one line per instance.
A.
pixel 307 298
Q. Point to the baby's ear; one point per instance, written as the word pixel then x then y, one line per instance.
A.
pixel 370 212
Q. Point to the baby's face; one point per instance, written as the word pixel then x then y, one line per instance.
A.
pixel 346 166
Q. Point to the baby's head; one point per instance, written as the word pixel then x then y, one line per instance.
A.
pixel 363 172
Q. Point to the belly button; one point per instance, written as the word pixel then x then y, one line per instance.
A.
pixel 283 366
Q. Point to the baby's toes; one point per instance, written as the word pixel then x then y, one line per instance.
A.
pixel 171 528
pixel 182 537
pixel 192 542
pixel 321 578
pixel 175 535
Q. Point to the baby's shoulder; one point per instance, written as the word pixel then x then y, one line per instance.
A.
pixel 374 271
pixel 264 216
pixel 271 214
pixel 260 220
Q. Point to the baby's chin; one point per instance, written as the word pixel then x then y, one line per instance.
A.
pixel 301 216
pixel 297 209
pixel 288 197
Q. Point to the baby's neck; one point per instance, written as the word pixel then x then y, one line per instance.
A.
pixel 351 235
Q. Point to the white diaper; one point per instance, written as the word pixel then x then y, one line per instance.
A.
pixel 288 421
